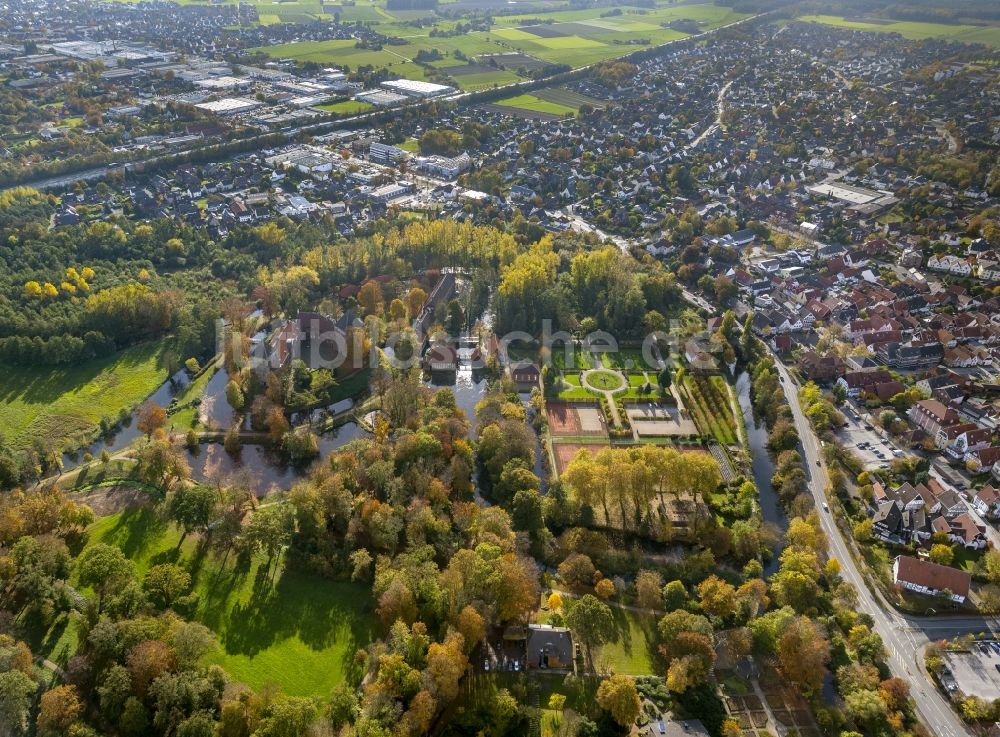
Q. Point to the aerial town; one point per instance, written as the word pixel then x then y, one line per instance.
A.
pixel 560 368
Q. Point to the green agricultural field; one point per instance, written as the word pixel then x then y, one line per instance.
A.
pixel 353 13
pixel 916 31
pixel 530 102
pixel 342 51
pixel 707 14
pixel 474 82
pixel 274 625
pixel 584 37
pixel 64 405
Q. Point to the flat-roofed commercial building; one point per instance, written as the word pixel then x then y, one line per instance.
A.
pixel 381 98
pixel 415 88
pixel 229 106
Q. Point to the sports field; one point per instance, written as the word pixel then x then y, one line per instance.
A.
pixel 63 405
pixel 347 107
pixel 989 35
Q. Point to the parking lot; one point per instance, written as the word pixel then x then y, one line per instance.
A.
pixel 502 655
pixel 977 672
pixel 865 440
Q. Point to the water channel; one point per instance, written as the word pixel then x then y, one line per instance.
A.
pixel 763 469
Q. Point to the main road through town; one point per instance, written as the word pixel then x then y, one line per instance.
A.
pixel 905 637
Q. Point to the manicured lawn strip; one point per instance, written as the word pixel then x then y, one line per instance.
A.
pixel 638 380
pixel 187 417
pixel 63 406
pixel 274 625
pixel 577 359
pixel 351 386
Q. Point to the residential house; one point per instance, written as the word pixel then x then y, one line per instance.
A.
pixel 550 647
pixel 931 579
pixel 968 441
pixel 858 382
pixel 525 375
pixel 983 459
pixel 440 358
pixel 932 416
pixel 910 355
pixel 816 367
pixel 986 501
pixel 966 532
pixel 951 264
pixel 698 357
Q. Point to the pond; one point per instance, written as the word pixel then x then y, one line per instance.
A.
pixel 127 431
pixel 467 385
pixel 261 470
pixel 214 411
pixel 763 469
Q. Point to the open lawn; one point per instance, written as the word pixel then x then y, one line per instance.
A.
pixel 604 380
pixel 536 104
pixel 629 358
pixel 64 405
pixel 633 652
pixel 410 144
pixel 274 625
pixel 347 107
pixel 988 35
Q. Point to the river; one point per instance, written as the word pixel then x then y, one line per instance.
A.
pixel 763 469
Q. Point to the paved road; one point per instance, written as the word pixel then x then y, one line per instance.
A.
pixel 720 104
pixel 904 636
pixel 698 301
